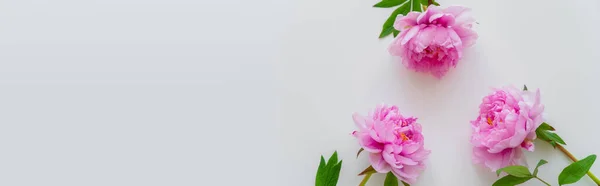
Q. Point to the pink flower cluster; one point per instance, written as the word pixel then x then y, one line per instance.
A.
pixel 507 121
pixel 394 142
pixel 433 41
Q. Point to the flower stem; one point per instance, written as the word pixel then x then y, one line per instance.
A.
pixel 543 181
pixel 429 2
pixel 364 181
pixel 566 152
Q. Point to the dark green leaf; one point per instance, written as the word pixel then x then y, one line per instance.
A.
pixel 516 170
pixel 404 183
pixel 388 26
pixel 395 32
pixel 436 3
pixel 390 180
pixel 540 163
pixel 524 87
pixel 389 3
pixel 575 171
pixel 510 180
pixel 328 173
pixel 359 151
pixel 416 6
pixel 545 126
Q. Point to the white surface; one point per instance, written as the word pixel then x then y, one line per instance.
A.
pixel 187 92
pixel 335 66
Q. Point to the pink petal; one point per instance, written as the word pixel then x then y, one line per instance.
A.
pixel 462 15
pixel 402 23
pixel 467 35
pixel 410 34
pixel 378 163
pixel 359 121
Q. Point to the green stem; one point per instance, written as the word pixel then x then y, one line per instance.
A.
pixel 364 181
pixel 566 152
pixel 542 181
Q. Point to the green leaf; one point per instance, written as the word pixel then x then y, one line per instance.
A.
pixel 395 32
pixel 416 6
pixel 389 3
pixel 540 163
pixel 575 171
pixel 333 159
pixel 544 133
pixel 516 170
pixel 545 126
pixel 404 183
pixel 388 26
pixel 436 3
pixel 328 173
pixel 510 180
pixel 524 87
pixel 554 137
pixel 390 180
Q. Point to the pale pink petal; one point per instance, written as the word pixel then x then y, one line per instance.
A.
pixel 378 163
pixel 410 34
pixel 467 35
pixel 403 23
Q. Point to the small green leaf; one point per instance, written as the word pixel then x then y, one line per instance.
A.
pixel 388 26
pixel 389 3
pixel 554 137
pixel 390 180
pixel 416 6
pixel 359 151
pixel 395 32
pixel 333 159
pixel 524 87
pixel 540 163
pixel 516 170
pixel 510 180
pixel 436 3
pixel 404 183
pixel 544 133
pixel 575 171
pixel 545 126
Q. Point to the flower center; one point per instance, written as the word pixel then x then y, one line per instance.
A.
pixel 489 121
pixel 404 137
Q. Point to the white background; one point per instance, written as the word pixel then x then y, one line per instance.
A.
pixel 188 92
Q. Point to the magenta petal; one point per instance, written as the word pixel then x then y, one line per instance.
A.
pixel 368 143
pixel 528 145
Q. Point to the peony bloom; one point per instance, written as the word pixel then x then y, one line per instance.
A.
pixel 394 142
pixel 433 41
pixel 506 124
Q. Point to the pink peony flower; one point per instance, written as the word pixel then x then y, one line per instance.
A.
pixel 433 41
pixel 506 124
pixel 394 142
